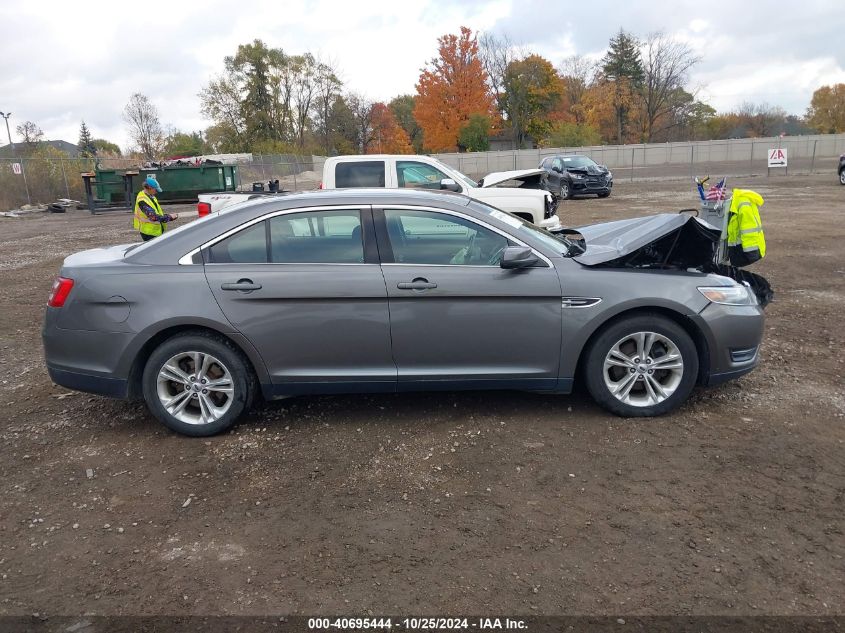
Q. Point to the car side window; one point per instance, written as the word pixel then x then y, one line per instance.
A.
pixel 244 247
pixel 411 174
pixel 317 237
pixel 557 164
pixel 367 173
pixel 428 237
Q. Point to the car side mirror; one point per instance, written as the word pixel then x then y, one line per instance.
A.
pixel 518 257
pixel 449 185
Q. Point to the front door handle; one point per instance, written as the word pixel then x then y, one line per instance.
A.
pixel 244 285
pixel 420 283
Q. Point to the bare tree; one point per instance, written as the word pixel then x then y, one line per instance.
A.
pixel 362 111
pixel 761 119
pixel 144 125
pixel 327 88
pixel 30 133
pixel 577 73
pixel 497 52
pixel 282 75
pixel 220 101
pixel 304 90
pixel 666 64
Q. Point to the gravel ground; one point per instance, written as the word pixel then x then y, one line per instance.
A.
pixel 439 503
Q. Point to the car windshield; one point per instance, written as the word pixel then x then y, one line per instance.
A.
pixel 558 243
pixel 469 182
pixel 577 162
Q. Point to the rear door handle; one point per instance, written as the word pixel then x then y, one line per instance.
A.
pixel 420 283
pixel 244 285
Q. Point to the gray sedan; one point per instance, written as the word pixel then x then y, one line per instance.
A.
pixel 394 291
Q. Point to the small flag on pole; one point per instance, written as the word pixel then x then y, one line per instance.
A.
pixel 717 191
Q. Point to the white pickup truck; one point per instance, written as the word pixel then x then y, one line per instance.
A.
pixel 423 172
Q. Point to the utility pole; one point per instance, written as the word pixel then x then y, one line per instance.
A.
pixel 6 116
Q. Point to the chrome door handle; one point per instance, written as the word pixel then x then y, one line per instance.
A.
pixel 244 285
pixel 420 283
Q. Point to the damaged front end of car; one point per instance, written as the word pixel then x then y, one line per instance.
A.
pixel 664 241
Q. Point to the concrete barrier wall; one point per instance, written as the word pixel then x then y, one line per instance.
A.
pixel 744 155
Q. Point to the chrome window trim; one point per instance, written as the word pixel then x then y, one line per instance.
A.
pixel 186 259
pixel 469 218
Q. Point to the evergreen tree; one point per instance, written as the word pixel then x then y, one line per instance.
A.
pixel 86 146
pixel 251 65
pixel 623 66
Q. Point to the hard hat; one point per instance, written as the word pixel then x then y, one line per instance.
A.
pixel 152 183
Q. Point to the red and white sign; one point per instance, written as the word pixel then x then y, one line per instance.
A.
pixel 16 169
pixel 777 157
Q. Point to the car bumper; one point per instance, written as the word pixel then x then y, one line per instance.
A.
pixel 734 335
pixel 89 383
pixel 86 360
pixel 588 187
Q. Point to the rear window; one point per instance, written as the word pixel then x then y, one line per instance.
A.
pixel 244 247
pixel 359 174
pixel 318 237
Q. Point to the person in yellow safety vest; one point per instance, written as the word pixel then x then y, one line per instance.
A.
pixel 149 219
pixel 746 242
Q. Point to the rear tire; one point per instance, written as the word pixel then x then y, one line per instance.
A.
pixel 641 366
pixel 198 384
pixel 842 177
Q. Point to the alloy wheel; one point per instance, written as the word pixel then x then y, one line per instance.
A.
pixel 643 369
pixel 195 388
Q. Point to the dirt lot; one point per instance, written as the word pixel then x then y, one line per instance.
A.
pixel 440 503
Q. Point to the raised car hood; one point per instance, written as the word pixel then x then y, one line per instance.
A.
pixel 666 240
pixel 498 177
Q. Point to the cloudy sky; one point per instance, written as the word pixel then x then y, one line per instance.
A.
pixel 63 61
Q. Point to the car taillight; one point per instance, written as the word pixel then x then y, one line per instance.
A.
pixel 321 185
pixel 59 292
pixel 203 208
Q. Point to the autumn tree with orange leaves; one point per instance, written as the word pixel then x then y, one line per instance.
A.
pixel 388 137
pixel 450 90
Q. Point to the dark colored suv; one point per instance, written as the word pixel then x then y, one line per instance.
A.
pixel 842 169
pixel 575 175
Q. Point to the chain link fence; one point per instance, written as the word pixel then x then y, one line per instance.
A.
pixel 731 157
pixel 294 173
pixel 40 180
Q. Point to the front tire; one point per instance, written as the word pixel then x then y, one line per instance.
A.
pixel 198 384
pixel 842 177
pixel 642 366
pixel 565 191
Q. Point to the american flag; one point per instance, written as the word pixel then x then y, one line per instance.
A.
pixel 717 191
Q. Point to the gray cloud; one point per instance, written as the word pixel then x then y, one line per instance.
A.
pixel 60 64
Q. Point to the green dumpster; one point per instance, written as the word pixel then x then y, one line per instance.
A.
pixel 109 186
pixel 179 182
pixel 185 183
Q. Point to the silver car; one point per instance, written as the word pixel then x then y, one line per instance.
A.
pixel 351 291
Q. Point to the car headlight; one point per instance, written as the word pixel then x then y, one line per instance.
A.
pixel 577 176
pixel 729 295
pixel 610 175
